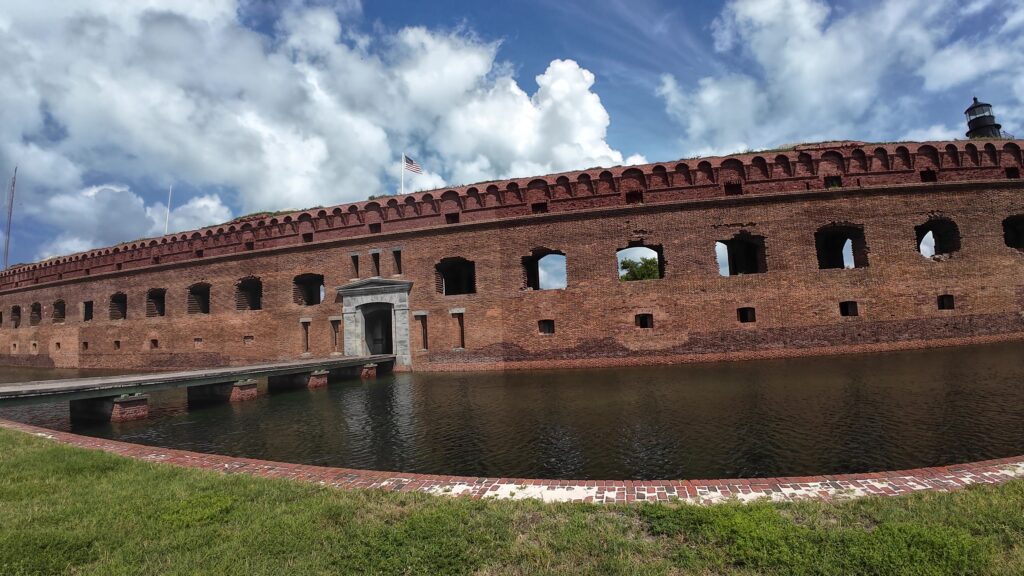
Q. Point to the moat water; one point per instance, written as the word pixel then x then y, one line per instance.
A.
pixel 766 418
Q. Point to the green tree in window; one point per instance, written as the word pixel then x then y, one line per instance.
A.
pixel 642 269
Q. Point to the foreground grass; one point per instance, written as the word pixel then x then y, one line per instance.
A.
pixel 66 510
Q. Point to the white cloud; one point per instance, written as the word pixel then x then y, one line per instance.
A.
pixel 551 272
pixel 112 213
pixel 816 73
pixel 934 132
pixel 157 92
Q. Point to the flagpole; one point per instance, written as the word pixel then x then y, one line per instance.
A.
pixel 10 212
pixel 401 168
pixel 167 218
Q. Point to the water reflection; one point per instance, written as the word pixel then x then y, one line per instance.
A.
pixel 768 418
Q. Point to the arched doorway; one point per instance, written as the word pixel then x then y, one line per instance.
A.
pixel 377 328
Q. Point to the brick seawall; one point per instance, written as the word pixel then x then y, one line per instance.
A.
pixel 830 487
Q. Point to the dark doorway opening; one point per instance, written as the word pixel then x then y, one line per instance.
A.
pixel 377 328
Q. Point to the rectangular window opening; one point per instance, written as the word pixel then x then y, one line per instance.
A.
pixel 335 330
pixel 156 303
pixel 635 197
pixel 833 181
pixel 733 189
pixel 644 320
pixel 375 258
pixel 355 265
pixel 946 302
pixel 198 301
pixel 375 228
pixel 424 342
pixel 85 346
pixel 460 327
pixel 305 337
pixel 397 256
pixel 197 342
pixel 746 315
pixel 154 344
pixel 199 253
pixel 307 237
pixel 250 245
pixel 546 326
pixel 929 176
pixel 451 218
pixel 848 308
pixel 87 311
pixel 117 344
pixel 1013 173
pixel 539 208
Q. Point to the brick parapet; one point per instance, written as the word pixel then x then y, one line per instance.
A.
pixel 797 170
pixel 704 492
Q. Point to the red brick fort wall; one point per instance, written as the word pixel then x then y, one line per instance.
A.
pixel 782 197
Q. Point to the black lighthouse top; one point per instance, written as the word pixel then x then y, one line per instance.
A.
pixel 981 123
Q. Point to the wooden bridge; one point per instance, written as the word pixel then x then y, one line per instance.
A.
pixel 123 397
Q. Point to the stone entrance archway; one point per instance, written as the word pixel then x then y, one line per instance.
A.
pixel 377 327
pixel 376 317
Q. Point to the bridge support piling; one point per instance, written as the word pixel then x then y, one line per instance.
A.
pixel 316 380
pixel 238 391
pixel 368 372
pixel 243 391
pixel 110 409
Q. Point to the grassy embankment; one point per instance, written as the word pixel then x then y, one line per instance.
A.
pixel 65 510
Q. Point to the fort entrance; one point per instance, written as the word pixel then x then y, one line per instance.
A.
pixel 378 327
pixel 376 318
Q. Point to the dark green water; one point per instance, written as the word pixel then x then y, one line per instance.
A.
pixel 766 418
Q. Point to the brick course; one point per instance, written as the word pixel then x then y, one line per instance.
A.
pixel 682 207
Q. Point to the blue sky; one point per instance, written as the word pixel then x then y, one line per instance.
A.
pixel 246 106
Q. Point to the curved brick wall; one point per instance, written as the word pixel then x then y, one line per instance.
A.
pixel 779 198
pixel 837 487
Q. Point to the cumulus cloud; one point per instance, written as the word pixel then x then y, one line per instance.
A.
pixel 112 213
pixel 815 73
pixel 162 91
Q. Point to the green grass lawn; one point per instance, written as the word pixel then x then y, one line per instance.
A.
pixel 66 510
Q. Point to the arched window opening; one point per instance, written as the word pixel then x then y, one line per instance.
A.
pixel 640 262
pixel 35 314
pixel 156 302
pixel 118 306
pixel 59 312
pixel 16 316
pixel 249 294
pixel 742 254
pixel 841 246
pixel 544 269
pixel 308 289
pixel 937 238
pixel 198 301
pixel 454 276
pixel 1013 232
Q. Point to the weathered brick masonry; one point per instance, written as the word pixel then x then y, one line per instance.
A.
pixel 879 194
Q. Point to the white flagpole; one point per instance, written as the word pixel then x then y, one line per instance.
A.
pixel 401 168
pixel 167 218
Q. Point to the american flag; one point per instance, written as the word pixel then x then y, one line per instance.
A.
pixel 411 165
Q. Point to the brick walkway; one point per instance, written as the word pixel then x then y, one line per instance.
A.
pixel 843 486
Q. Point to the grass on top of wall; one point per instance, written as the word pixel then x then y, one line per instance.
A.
pixel 66 510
